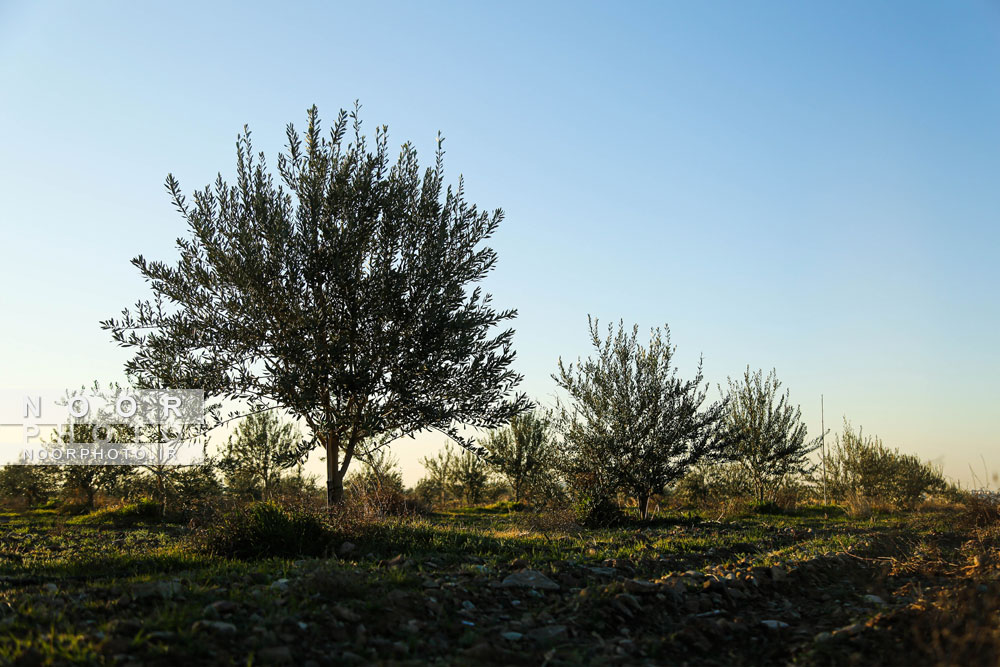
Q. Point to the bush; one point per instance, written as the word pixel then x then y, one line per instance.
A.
pixel 861 471
pixel 597 511
pixel 31 484
pixel 711 485
pixel 263 530
pixel 145 510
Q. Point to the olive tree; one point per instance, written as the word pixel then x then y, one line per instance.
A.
pixel 470 474
pixel 346 294
pixel 523 453
pixel 765 433
pixel 261 447
pixel 632 424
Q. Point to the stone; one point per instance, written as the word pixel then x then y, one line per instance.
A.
pixel 162 589
pixel 275 655
pixel 280 585
pixel 529 579
pixel 640 587
pixel 874 599
pixel 346 548
pixel 346 614
pixel 220 607
pixel 51 588
pixel 774 625
pixel 853 629
pixel 778 573
pixel 511 636
pixel 214 626
pixel 549 633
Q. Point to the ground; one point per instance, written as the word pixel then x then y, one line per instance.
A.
pixel 492 586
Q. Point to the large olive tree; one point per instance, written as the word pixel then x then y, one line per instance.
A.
pixel 346 295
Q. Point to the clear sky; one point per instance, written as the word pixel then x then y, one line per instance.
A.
pixel 813 187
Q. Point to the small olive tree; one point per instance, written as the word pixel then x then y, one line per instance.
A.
pixel 632 424
pixel 765 434
pixel 470 475
pixel 259 450
pixel 524 453
pixel 439 473
pixel 862 468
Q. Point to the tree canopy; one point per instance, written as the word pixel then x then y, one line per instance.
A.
pixel 346 294
pixel 632 424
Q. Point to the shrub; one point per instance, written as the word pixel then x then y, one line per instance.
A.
pixel 144 510
pixel 32 484
pixel 861 471
pixel 709 485
pixel 262 530
pixel 597 511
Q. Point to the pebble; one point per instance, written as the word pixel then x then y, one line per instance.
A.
pixel 215 626
pixel 275 655
pixel 529 579
pixel 549 633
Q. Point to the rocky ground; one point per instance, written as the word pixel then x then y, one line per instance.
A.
pixel 482 588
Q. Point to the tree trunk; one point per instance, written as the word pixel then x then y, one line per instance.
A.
pixel 334 477
pixel 644 505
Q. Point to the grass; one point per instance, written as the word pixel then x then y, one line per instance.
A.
pixel 105 589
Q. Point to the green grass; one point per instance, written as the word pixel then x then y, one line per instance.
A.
pixel 87 589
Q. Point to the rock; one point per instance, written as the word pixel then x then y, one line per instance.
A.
pixel 345 614
pixel 346 548
pixel 468 606
pixel 778 573
pixel 640 587
pixel 823 636
pixel 603 571
pixel 125 626
pixel 519 563
pixel 214 626
pixel 275 655
pixel 162 589
pixel 511 636
pixel 280 585
pixel 430 583
pixel 219 607
pixel 853 629
pixel 694 574
pixel 529 579
pixel 51 588
pixel 161 635
pixel 774 625
pixel 874 599
pixel 549 633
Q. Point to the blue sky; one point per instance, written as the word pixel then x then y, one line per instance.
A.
pixel 811 187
